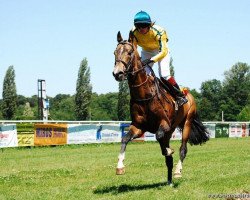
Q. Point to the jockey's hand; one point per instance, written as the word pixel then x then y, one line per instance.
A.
pixel 147 62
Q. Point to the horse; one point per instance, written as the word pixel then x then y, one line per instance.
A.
pixel 153 109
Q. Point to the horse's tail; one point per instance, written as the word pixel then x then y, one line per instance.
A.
pixel 199 133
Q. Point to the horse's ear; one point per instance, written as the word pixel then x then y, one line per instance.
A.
pixel 119 37
pixel 131 37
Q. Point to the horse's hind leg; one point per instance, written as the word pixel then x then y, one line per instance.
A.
pixel 132 134
pixel 183 148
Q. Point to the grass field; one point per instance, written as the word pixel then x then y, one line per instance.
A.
pixel 221 166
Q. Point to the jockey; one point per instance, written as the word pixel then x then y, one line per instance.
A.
pixel 153 41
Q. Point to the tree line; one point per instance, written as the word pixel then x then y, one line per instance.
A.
pixel 228 99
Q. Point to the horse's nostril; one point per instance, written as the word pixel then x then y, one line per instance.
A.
pixel 118 76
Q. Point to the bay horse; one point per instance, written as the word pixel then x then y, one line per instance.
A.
pixel 152 109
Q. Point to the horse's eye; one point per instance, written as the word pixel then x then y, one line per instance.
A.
pixel 129 53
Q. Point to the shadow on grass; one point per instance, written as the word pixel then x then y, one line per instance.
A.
pixel 129 188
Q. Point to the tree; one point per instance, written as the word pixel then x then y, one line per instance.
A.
pixel 236 90
pixel 210 100
pixel 1 102
pixel 104 106
pixel 56 101
pixel 123 102
pixel 28 112
pixel 9 94
pixel 171 67
pixel 83 92
pixel 33 101
pixel 197 97
pixel 97 110
pixel 21 100
pixel 26 108
pixel 244 115
pixel 62 107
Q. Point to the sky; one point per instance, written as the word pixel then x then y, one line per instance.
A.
pixel 46 39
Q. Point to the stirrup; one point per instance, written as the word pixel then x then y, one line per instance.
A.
pixel 181 101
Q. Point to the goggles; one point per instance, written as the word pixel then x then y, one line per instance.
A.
pixel 142 25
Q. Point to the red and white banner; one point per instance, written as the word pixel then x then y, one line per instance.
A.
pixel 8 135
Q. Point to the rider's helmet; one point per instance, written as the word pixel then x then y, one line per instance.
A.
pixel 142 18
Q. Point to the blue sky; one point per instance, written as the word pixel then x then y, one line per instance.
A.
pixel 48 39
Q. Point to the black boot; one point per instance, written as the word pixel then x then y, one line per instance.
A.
pixel 175 92
pixel 180 97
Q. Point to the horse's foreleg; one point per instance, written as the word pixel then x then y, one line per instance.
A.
pixel 169 164
pixel 132 134
pixel 163 136
pixel 166 151
pixel 183 149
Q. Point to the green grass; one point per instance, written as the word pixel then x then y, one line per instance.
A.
pixel 221 166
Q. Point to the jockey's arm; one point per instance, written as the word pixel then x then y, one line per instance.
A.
pixel 163 48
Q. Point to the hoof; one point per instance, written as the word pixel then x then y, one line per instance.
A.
pixel 170 183
pixel 120 171
pixel 177 175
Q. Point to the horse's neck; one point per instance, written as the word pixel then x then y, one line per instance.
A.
pixel 141 75
pixel 141 86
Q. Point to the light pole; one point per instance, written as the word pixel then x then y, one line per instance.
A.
pixel 222 116
pixel 43 102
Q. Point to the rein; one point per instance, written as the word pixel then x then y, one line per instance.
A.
pixel 134 86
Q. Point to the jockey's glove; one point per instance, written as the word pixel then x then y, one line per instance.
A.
pixel 147 62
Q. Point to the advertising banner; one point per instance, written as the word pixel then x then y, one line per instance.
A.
pixel 8 135
pixel 177 134
pixel 149 136
pixel 124 128
pixel 245 131
pixel 25 139
pixel 83 133
pixel 25 134
pixel 110 133
pixel 210 129
pixel 25 128
pixel 221 130
pixel 50 134
pixel 235 130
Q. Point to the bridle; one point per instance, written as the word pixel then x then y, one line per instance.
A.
pixel 128 65
pixel 128 71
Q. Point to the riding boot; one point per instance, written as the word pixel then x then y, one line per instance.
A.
pixel 174 90
pixel 180 97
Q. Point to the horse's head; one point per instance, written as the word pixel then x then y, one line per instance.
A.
pixel 124 54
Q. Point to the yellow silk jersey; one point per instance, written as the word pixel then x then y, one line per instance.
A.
pixel 155 39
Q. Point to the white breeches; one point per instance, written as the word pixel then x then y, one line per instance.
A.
pixel 163 65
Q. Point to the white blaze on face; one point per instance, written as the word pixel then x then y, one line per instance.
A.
pixel 116 70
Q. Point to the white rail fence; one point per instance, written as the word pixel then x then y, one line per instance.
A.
pixel 41 133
